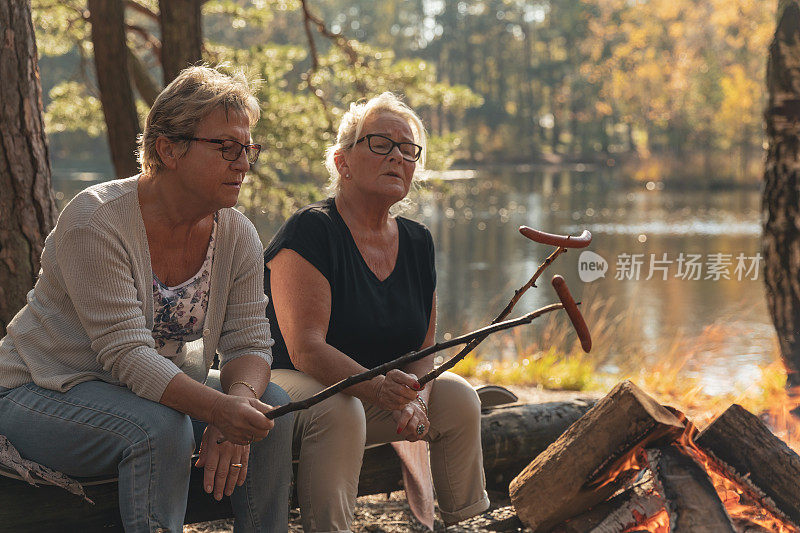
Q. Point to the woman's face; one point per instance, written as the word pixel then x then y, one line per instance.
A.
pixel 210 179
pixel 382 176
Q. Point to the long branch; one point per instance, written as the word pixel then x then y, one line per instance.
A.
pixel 308 19
pixel 337 38
pixel 147 12
pixel 151 40
pixel 453 361
pixel 408 358
pixel 312 46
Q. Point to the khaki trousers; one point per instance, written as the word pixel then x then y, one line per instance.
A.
pixel 332 434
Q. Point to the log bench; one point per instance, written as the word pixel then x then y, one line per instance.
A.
pixel 512 435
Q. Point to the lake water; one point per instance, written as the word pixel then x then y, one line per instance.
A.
pixel 481 259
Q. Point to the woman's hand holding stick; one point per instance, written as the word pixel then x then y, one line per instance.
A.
pixel 408 358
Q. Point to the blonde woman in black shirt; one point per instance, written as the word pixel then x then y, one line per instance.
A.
pixel 351 286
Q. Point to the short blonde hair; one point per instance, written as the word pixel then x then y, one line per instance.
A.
pixel 192 96
pixel 353 122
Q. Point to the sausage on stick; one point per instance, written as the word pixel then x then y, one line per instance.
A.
pixel 573 312
pixel 564 241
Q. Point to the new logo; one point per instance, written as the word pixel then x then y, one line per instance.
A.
pixel 591 266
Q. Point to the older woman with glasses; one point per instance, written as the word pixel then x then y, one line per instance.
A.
pixel 351 287
pixel 106 370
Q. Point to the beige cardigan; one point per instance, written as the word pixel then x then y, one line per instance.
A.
pixel 90 315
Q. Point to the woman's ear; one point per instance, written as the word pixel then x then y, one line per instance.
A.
pixel 341 164
pixel 168 152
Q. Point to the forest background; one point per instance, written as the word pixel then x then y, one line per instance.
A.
pixel 672 87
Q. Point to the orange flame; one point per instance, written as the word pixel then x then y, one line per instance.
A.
pixel 783 423
pixel 658 523
pixel 632 461
pixel 741 502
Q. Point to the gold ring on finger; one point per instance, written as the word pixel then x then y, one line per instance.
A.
pixel 236 465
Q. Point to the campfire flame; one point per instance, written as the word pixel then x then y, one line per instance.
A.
pixel 784 418
pixel 743 503
pixel 658 523
pixel 633 461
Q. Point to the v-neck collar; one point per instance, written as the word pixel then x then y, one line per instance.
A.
pixel 352 241
pixel 223 250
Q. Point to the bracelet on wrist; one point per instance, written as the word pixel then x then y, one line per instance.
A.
pixel 422 403
pixel 246 384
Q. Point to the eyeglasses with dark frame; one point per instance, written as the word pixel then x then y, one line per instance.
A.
pixel 231 150
pixel 382 145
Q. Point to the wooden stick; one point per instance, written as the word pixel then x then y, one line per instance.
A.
pixel 436 372
pixel 408 358
pixel 471 339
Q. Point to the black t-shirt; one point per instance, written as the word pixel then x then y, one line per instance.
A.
pixel 371 321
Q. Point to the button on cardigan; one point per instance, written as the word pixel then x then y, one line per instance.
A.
pixel 90 314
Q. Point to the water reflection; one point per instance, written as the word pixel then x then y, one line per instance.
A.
pixel 481 259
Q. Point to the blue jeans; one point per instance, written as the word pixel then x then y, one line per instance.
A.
pixel 98 429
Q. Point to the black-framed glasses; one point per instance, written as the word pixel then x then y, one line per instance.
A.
pixel 231 150
pixel 382 145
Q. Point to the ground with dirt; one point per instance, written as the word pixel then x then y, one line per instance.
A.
pixel 379 514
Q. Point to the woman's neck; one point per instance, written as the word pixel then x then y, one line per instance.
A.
pixel 362 213
pixel 167 206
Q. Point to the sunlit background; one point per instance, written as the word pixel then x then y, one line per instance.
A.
pixel 638 120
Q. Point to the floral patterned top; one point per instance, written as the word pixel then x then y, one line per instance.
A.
pixel 180 311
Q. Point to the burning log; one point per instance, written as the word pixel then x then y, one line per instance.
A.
pixel 692 502
pixel 577 471
pixel 621 512
pixel 744 443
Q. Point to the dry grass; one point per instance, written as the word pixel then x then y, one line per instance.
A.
pixel 554 361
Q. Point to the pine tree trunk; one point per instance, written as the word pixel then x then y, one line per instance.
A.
pixel 781 200
pixel 114 79
pixel 27 209
pixel 181 35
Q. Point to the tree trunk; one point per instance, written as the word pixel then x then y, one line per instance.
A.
pixel 181 35
pixel 781 200
pixel 113 78
pixel 27 208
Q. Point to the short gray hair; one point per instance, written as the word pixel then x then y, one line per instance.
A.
pixel 192 96
pixel 353 122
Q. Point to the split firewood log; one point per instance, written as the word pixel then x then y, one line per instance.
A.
pixel 565 479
